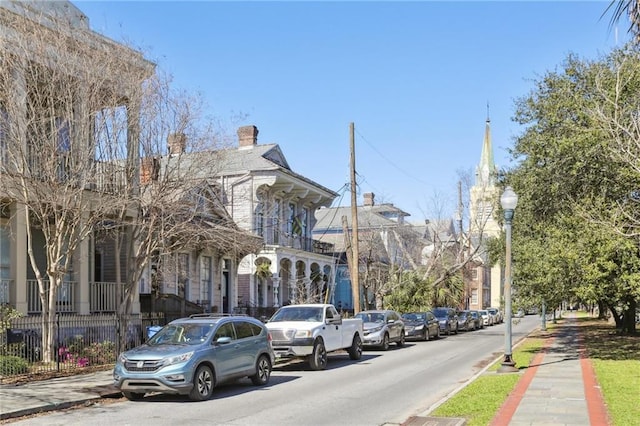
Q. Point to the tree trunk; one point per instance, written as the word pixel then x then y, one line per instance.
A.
pixel 602 309
pixel 629 318
pixel 616 317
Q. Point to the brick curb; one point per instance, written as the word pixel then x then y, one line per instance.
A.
pixel 598 413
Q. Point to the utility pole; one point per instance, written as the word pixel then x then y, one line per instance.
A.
pixel 467 296
pixel 354 267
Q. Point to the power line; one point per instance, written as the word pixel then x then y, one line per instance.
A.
pixel 400 169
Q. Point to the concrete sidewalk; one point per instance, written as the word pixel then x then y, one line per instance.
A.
pixel 559 388
pixel 54 394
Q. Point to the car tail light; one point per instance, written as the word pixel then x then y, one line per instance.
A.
pixel 269 338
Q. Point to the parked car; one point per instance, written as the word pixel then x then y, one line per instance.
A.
pixel 190 356
pixel 487 318
pixel 421 325
pixel 477 318
pixel 447 319
pixel 497 315
pixel 311 331
pixel 382 327
pixel 466 321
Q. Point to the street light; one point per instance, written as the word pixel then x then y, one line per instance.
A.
pixel 508 200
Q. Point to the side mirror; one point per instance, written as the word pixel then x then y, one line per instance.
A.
pixel 223 340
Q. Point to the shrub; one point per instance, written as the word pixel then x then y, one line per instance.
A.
pixel 81 354
pixel 11 365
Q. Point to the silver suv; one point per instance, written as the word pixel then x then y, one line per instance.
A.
pixel 382 327
pixel 190 356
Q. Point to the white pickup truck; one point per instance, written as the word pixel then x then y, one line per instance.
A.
pixel 313 330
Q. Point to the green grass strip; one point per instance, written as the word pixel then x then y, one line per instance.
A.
pixel 481 399
pixel 620 384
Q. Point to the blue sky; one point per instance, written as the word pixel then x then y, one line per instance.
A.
pixel 414 78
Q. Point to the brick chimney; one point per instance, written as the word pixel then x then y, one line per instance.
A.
pixel 247 136
pixel 177 143
pixel 369 199
pixel 149 170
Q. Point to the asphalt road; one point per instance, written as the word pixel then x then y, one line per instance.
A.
pixel 382 388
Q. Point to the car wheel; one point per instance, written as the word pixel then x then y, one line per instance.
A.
pixel 355 351
pixel 133 396
pixel 203 383
pixel 385 342
pixel 400 342
pixel 425 334
pixel 318 358
pixel 263 371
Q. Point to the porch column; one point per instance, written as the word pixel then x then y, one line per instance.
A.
pixel 82 277
pixel 19 257
pixel 276 287
pixel 307 280
pixel 17 110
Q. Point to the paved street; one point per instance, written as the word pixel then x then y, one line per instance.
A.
pixel 384 387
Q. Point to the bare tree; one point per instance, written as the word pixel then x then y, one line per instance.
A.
pixel 56 76
pixel 620 120
pixel 85 128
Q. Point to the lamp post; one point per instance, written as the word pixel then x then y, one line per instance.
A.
pixel 508 200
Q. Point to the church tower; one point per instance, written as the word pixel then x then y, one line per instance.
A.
pixel 483 202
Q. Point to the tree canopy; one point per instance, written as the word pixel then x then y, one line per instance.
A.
pixel 575 231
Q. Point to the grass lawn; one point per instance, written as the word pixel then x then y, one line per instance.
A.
pixel 616 361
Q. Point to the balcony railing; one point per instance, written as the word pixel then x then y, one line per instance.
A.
pixel 103 297
pixel 65 299
pixel 297 242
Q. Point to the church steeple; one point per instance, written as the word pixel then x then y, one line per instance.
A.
pixel 486 171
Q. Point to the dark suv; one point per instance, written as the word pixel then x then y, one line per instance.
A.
pixel 190 356
pixel 447 319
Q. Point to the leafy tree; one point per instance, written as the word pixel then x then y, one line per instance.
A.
pixel 571 177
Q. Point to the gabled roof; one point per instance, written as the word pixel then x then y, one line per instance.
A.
pixel 375 216
pixel 266 159
pixel 241 160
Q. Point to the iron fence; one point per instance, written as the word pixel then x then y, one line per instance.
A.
pixel 80 342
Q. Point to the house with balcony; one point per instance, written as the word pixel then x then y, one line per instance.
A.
pixel 267 256
pixel 265 196
pixel 74 172
pixel 49 167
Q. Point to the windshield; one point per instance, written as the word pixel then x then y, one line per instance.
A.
pixel 181 334
pixel 440 312
pixel 298 313
pixel 370 317
pixel 413 317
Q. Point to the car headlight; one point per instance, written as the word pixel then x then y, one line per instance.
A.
pixel 301 334
pixel 419 327
pixel 122 359
pixel 375 329
pixel 178 358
